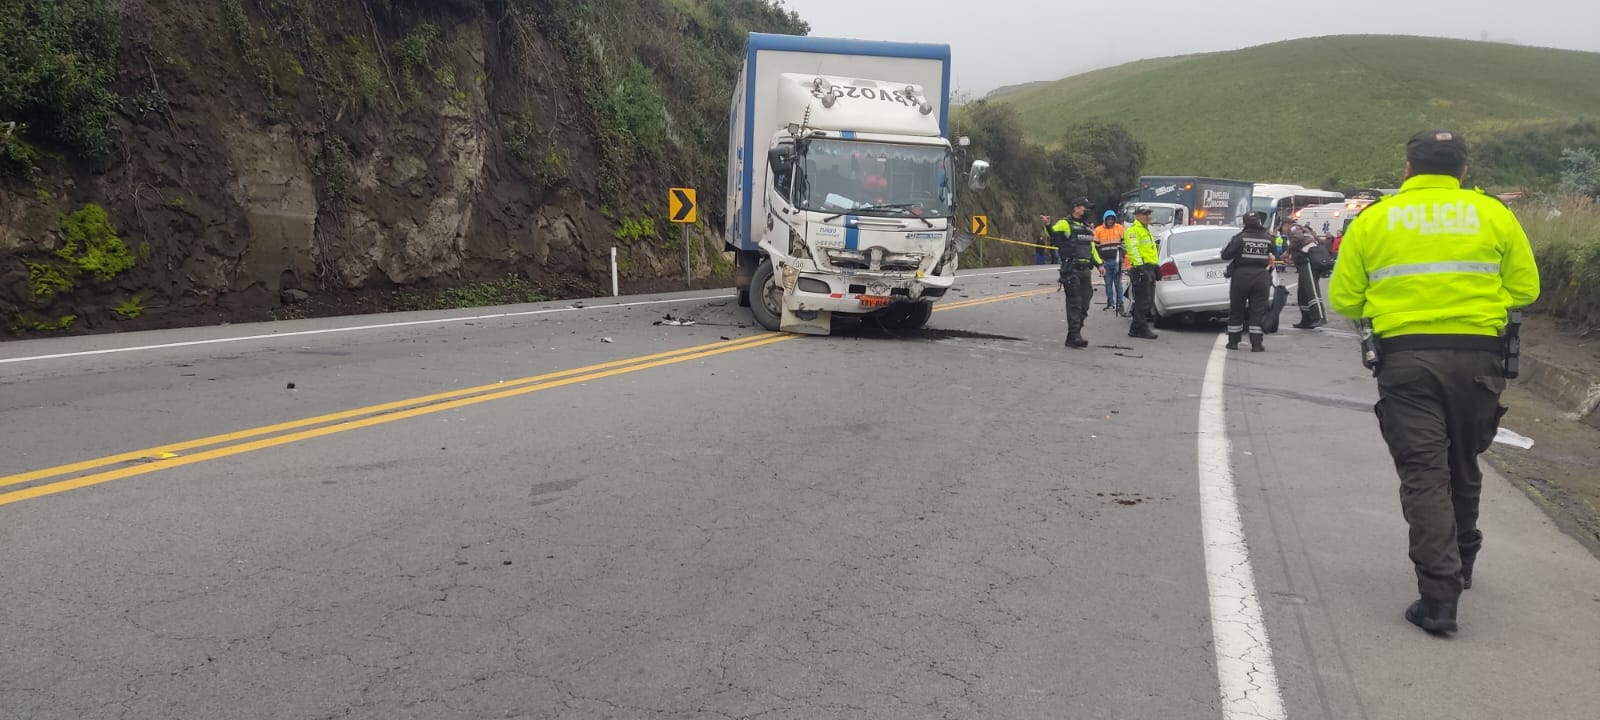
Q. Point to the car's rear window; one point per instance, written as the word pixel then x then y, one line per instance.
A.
pixel 1180 243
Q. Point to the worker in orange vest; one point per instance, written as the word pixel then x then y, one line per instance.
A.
pixel 1108 235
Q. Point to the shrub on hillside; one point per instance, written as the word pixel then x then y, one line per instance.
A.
pixel 1566 244
pixel 55 72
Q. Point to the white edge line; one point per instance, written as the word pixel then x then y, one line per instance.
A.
pixel 355 328
pixel 1245 674
pixel 409 323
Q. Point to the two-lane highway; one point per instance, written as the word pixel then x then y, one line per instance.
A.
pixel 559 512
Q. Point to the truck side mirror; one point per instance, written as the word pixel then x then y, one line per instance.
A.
pixel 976 178
pixel 781 157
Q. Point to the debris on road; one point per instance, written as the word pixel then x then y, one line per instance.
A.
pixel 291 386
pixel 606 340
pixel 1507 437
pixel 1135 357
pixel 674 322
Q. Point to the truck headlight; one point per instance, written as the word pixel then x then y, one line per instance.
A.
pixel 797 246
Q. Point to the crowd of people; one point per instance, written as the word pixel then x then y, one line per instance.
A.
pixel 1433 279
pixel 1127 258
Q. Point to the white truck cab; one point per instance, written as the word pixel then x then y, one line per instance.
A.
pixel 856 209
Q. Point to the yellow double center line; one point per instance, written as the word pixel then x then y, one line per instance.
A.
pixel 164 457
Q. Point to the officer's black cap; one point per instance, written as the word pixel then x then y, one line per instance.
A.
pixel 1437 147
pixel 1082 202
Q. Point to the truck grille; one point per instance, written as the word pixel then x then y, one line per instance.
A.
pixel 874 259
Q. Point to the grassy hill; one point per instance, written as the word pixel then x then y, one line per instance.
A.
pixel 1331 109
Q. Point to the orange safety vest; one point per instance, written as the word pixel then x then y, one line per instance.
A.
pixel 1104 236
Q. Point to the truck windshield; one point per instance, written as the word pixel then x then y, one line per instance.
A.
pixel 870 178
pixel 1158 216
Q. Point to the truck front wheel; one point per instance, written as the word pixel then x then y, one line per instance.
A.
pixel 766 297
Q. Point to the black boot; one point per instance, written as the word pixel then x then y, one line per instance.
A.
pixel 1470 543
pixel 1433 615
pixel 1075 340
pixel 1305 321
pixel 1233 340
pixel 1142 334
pixel 1255 342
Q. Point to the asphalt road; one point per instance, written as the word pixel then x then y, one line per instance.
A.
pixel 510 516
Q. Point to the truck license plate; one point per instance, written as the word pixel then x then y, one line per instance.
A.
pixel 875 301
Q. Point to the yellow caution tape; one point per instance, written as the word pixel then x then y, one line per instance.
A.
pixel 1018 242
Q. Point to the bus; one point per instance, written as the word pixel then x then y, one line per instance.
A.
pixel 1284 200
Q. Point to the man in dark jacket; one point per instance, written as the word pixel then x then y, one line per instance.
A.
pixel 1300 241
pixel 1250 275
pixel 1074 240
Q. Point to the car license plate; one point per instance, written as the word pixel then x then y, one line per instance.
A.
pixel 1214 274
pixel 875 301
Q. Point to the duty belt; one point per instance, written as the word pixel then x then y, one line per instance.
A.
pixel 1403 343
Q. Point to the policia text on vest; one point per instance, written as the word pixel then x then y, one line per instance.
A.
pixel 1432 274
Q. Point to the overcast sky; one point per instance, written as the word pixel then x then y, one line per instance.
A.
pixel 1004 42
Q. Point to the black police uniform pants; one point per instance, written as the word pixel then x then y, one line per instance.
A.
pixel 1080 294
pixel 1248 295
pixel 1438 410
pixel 1142 281
pixel 1308 292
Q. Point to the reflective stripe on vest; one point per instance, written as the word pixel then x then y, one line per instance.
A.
pixel 1482 268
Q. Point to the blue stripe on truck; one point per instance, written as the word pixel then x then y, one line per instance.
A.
pixel 852 234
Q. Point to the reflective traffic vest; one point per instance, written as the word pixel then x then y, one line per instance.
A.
pixel 1141 245
pixel 1434 259
pixel 1075 241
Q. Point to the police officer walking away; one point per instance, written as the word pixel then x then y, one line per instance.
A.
pixel 1250 276
pixel 1435 270
pixel 1074 241
pixel 1142 272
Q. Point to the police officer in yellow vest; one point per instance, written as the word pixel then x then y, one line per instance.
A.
pixel 1435 270
pixel 1143 257
pixel 1074 241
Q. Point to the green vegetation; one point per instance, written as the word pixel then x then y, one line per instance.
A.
pixel 55 74
pixel 633 230
pixel 333 165
pixel 510 290
pixel 92 245
pixel 1094 159
pixel 28 323
pixel 1566 243
pixel 1334 111
pixel 129 309
pixel 413 54
pixel 654 78
pixel 47 280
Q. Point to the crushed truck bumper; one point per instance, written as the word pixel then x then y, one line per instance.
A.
pixel 858 292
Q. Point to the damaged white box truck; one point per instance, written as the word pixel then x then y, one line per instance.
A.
pixel 842 181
